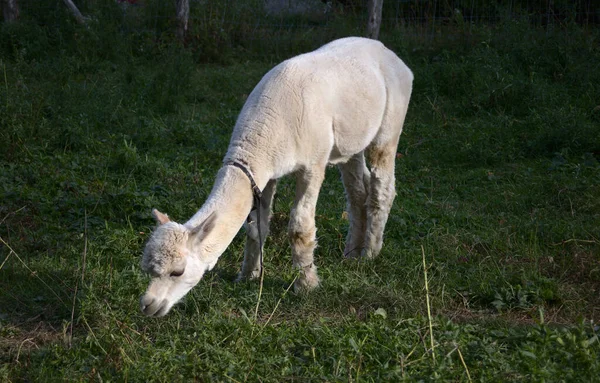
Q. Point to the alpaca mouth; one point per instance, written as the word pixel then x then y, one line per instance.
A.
pixel 153 308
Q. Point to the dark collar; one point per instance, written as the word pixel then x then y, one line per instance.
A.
pixel 255 189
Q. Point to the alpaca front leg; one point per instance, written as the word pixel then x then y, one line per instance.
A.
pixel 381 196
pixel 251 263
pixel 355 177
pixel 302 228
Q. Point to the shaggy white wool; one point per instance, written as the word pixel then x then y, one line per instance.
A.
pixel 336 105
pixel 164 248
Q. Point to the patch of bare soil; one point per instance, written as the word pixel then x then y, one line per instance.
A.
pixel 18 340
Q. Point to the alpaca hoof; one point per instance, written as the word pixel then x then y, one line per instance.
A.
pixel 367 253
pixel 354 252
pixel 241 277
pixel 306 282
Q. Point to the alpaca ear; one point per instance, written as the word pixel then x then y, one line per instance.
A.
pixel 205 227
pixel 160 217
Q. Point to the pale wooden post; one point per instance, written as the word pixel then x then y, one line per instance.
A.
pixel 10 10
pixel 374 23
pixel 75 11
pixel 183 15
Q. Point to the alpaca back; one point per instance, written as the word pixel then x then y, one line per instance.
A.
pixel 327 103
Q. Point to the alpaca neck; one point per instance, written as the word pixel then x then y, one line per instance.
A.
pixel 231 200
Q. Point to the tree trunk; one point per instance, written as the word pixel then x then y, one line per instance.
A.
pixel 375 7
pixel 75 11
pixel 183 14
pixel 10 9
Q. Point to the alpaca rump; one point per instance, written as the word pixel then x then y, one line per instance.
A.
pixel 336 105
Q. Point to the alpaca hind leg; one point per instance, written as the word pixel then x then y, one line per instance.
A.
pixel 356 178
pixel 381 196
pixel 302 230
pixel 251 264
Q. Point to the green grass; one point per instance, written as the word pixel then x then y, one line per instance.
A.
pixel 497 180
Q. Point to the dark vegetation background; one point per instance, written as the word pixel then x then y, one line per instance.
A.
pixel 497 179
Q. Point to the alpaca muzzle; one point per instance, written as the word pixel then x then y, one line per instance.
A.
pixel 152 307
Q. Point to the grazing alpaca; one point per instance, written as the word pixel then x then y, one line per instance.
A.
pixel 329 106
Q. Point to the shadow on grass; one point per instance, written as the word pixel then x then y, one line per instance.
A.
pixel 35 309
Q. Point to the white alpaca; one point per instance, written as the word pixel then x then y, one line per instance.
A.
pixel 324 107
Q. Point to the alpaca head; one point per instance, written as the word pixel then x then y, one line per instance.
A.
pixel 174 259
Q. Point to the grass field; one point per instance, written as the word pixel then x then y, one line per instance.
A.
pixel 498 185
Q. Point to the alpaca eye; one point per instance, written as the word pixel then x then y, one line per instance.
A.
pixel 176 273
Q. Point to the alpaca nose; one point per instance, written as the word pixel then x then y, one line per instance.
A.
pixel 153 307
pixel 145 303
